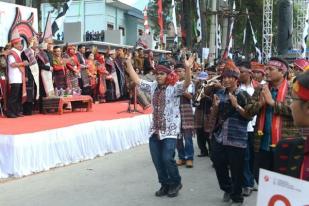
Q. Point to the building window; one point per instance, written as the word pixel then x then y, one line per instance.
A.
pixel 110 26
pixel 140 32
pixel 122 30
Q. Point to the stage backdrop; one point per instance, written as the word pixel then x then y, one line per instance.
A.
pixel 13 16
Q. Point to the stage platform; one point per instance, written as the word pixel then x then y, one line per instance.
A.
pixel 40 142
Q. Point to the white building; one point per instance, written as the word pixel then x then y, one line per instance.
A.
pixel 121 23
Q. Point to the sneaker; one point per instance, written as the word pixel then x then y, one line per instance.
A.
pixel 173 190
pixel 180 162
pixel 226 197
pixel 189 163
pixel 162 191
pixel 11 116
pixel 247 191
pixel 255 187
pixel 203 154
pixel 236 204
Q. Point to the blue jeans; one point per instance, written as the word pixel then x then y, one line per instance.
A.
pixel 185 145
pixel 248 166
pixel 162 154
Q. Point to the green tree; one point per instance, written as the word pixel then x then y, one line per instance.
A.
pixel 255 9
pixel 185 15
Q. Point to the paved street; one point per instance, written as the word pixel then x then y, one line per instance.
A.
pixel 126 178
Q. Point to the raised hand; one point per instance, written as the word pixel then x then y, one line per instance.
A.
pixel 128 57
pixel 189 62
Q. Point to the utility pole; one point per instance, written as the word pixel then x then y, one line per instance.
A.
pixel 203 23
pixel 212 37
pixel 225 24
pixel 187 7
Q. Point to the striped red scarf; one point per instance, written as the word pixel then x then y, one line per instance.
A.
pixel 277 119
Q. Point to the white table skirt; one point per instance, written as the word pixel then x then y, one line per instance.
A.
pixel 25 154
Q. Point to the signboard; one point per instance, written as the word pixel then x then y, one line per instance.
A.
pixel 73 32
pixel 205 53
pixel 280 190
pixel 13 16
pixel 113 36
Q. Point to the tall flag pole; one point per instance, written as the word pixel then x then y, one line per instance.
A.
pixel 305 34
pixel 58 23
pixel 198 23
pixel 146 24
pixel 230 37
pixel 175 21
pixel 218 37
pixel 257 50
pixel 244 35
pixel 160 20
pixel 48 33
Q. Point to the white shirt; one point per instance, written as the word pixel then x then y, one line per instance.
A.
pixel 171 111
pixel 14 74
pixel 250 90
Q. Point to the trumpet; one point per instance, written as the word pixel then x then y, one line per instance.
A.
pixel 201 90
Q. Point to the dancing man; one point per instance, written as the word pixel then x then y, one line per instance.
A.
pixel 165 93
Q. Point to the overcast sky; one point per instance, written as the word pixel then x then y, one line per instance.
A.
pixel 140 4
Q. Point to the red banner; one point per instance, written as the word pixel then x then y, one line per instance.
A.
pixel 160 19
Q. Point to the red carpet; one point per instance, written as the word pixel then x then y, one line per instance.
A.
pixel 40 122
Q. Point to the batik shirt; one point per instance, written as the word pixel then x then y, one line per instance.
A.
pixel 166 113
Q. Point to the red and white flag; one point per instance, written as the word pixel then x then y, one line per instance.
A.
pixel 48 32
pixel 160 19
pixel 146 24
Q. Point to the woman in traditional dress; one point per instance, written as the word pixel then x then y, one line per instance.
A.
pixel 59 69
pixel 103 75
pixel 92 74
pixel 73 69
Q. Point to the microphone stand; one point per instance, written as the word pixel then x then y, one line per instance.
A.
pixel 129 110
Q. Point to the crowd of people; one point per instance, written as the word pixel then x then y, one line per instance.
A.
pixel 241 113
pixel 94 35
pixel 238 112
pixel 43 70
